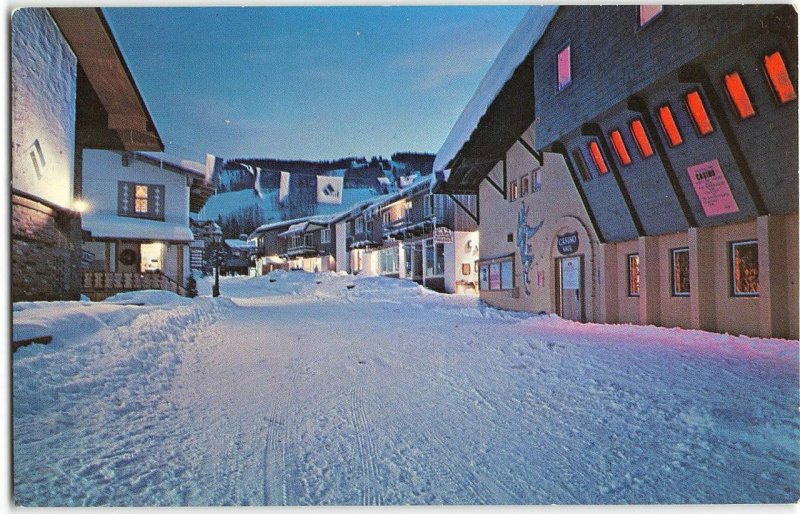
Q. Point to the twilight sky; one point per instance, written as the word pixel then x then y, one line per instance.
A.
pixel 308 82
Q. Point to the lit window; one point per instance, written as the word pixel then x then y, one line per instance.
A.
pixel 648 12
pixel 633 274
pixel 523 186
pixel 744 267
pixel 512 194
pixel 641 138
pixel 597 157
pixel 577 156
pixel 680 272
pixel 669 126
pixel 537 180
pixel 620 148
pixel 564 68
pixel 779 77
pixel 694 104
pixel 738 96
pixel 140 204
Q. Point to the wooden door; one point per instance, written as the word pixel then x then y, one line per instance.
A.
pixel 570 288
pixel 128 257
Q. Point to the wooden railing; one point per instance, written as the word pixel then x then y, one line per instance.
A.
pixel 111 282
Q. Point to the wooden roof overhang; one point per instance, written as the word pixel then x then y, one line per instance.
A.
pixel 110 111
pixel 508 116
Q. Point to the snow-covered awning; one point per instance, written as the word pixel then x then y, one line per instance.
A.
pixel 297 228
pixel 118 227
pixel 511 56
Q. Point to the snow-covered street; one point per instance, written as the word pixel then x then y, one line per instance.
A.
pixel 293 389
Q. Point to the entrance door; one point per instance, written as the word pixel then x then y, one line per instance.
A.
pixel 570 290
pixel 128 258
pixel 417 262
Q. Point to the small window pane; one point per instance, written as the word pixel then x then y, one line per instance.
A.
pixel 669 126
pixel 641 138
pixel 523 186
pixel 738 96
pixel 694 104
pixel 648 12
pixel 537 181
pixel 512 195
pixel 141 205
pixel 779 77
pixel 564 68
pixel 620 148
pixel 680 272
pixel 507 275
pixel 483 272
pixel 597 157
pixel 745 268
pixel 633 274
pixel 439 269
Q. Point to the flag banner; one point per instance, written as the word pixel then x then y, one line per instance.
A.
pixel 213 167
pixel 256 172
pixel 407 180
pixel 329 189
pixel 284 190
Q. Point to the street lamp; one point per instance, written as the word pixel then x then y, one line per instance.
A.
pixel 217 235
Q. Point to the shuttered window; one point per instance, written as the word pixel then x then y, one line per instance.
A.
pixel 137 200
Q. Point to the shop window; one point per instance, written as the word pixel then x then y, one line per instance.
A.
pixel 648 12
pixel 580 163
pixel 523 186
pixel 564 68
pixel 497 275
pixel 737 94
pixel 536 181
pixel 439 266
pixel 668 125
pixel 633 274
pixel 325 235
pixel 779 79
pixel 641 138
pixel 680 272
pixel 434 259
pixel 390 260
pixel 744 268
pixel 512 191
pixel 597 157
pixel 697 111
pixel 619 147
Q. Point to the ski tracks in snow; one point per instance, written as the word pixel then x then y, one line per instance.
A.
pixel 275 447
pixel 371 493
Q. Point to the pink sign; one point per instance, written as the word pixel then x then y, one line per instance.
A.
pixel 712 188
pixel 494 276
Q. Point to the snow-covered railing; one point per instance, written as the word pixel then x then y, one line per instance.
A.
pixel 118 282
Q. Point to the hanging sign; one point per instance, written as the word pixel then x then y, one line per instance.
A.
pixel 712 188
pixel 567 243
pixel 442 235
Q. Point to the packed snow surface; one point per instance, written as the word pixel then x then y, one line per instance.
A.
pixel 295 388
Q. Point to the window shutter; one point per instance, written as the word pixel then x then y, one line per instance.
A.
pixel 155 201
pixel 125 192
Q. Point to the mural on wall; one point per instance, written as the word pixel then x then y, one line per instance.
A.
pixel 525 232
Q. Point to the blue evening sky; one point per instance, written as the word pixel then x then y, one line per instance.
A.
pixel 308 82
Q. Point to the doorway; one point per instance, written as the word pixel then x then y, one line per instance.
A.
pixel 569 290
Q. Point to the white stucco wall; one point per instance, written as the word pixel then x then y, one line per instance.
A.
pixel 43 91
pixel 457 253
pixel 342 260
pixel 102 170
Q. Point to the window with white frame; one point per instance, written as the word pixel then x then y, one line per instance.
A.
pixel 496 275
pixel 390 260
pixel 325 235
pixel 434 259
pixel 744 268
pixel 387 217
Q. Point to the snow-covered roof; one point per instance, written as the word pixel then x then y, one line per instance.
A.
pixel 239 244
pixel 516 49
pixel 185 165
pixel 119 227
pixel 297 228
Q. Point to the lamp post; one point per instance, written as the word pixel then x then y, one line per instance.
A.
pixel 216 253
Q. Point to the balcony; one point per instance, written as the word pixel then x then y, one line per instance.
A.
pixel 99 285
pixel 303 250
pixel 404 226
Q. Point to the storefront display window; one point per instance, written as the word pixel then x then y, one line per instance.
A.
pixel 744 263
pixel 680 272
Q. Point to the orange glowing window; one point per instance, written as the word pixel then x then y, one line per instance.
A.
pixel 779 77
pixel 620 148
pixel 738 96
pixel 640 136
pixel 597 157
pixel 669 126
pixel 694 104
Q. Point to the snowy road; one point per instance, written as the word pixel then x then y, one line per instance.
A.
pixel 297 392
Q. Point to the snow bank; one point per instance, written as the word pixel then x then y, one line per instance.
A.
pixel 148 297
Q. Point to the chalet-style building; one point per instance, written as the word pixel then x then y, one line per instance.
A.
pixel 238 256
pixel 136 224
pixel 70 90
pixel 639 165
pixel 270 247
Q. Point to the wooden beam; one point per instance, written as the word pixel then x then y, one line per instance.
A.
pixel 469 213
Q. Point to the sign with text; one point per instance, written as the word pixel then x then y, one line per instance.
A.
pixel 567 243
pixel 712 188
pixel 442 235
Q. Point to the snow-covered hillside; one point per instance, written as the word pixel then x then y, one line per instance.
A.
pixel 298 388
